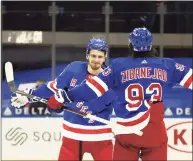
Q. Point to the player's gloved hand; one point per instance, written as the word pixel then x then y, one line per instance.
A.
pixel 58 99
pixel 18 100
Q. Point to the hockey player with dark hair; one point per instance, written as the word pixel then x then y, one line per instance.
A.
pixel 80 135
pixel 140 83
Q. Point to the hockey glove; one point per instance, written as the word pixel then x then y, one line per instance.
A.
pixel 58 99
pixel 19 101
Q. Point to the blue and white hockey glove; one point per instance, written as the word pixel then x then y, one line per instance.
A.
pixel 19 101
pixel 58 99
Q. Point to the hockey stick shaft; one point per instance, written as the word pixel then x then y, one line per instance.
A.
pixel 36 98
pixel 39 99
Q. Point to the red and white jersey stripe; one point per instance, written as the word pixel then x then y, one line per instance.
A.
pixel 187 80
pixel 137 122
pixel 52 85
pixel 97 85
pixel 87 133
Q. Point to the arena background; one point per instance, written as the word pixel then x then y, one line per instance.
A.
pixel 41 38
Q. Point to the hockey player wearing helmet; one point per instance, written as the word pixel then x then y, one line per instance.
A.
pixel 81 135
pixel 152 145
pixel 140 83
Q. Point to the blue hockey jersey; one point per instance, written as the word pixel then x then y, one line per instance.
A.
pixel 75 126
pixel 136 81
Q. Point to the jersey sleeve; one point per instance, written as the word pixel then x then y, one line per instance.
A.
pixel 94 87
pixel 42 91
pixel 101 103
pixel 182 75
pixel 96 105
pixel 63 80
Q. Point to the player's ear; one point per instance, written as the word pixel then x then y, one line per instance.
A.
pixel 87 56
pixel 105 58
pixel 87 53
pixel 106 55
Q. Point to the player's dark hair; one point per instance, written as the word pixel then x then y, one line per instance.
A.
pixel 88 52
pixel 136 54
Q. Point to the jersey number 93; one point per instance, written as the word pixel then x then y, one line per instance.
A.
pixel 134 95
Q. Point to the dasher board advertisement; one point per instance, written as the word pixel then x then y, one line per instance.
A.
pixel 31 138
pixel 179 139
pixel 40 138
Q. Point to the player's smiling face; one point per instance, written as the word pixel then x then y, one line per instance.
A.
pixel 96 59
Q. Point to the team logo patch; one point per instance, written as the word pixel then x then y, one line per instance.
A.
pixel 73 82
pixel 106 71
pixel 179 66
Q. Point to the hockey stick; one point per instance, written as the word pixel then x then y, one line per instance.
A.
pixel 11 84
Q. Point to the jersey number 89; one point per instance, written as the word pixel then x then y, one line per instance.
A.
pixel 134 94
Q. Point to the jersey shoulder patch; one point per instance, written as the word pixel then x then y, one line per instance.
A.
pixel 107 71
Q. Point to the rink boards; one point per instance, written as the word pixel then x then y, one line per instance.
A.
pixel 40 138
